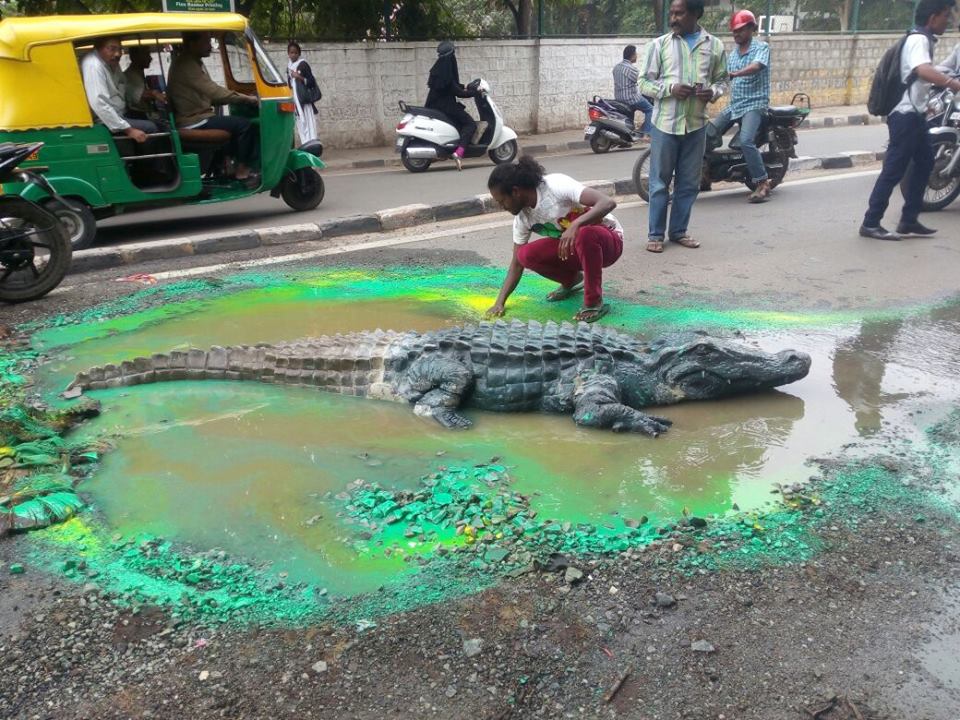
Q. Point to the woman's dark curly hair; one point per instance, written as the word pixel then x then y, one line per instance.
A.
pixel 526 173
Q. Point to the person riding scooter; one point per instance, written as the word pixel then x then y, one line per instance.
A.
pixel 445 88
pixel 749 69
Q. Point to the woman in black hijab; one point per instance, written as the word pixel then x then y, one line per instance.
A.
pixel 445 88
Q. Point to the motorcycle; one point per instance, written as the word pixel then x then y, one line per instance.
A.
pixel 35 247
pixel 425 136
pixel 776 139
pixel 611 125
pixel 943 118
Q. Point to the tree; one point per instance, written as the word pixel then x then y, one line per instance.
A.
pixel 522 11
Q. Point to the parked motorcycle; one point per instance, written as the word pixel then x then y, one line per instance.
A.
pixel 35 247
pixel 425 136
pixel 943 117
pixel 611 125
pixel 776 139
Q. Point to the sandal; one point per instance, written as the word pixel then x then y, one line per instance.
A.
pixel 562 293
pixel 686 241
pixel 591 314
pixel 761 194
pixel 655 246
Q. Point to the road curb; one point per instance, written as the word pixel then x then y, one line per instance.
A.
pixel 387 220
pixel 554 148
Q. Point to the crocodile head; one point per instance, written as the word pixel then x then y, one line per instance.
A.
pixel 703 368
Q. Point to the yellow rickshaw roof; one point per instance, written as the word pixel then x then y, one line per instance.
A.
pixel 19 34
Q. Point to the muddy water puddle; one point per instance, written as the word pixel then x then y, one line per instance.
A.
pixel 256 470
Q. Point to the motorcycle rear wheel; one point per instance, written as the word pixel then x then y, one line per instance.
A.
pixel 600 144
pixel 414 165
pixel 28 233
pixel 939 192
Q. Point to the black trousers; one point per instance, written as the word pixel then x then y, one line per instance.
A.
pixel 244 138
pixel 909 140
pixel 464 123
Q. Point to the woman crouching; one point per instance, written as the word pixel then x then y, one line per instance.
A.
pixel 579 236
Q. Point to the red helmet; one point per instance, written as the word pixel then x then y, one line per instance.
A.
pixel 741 18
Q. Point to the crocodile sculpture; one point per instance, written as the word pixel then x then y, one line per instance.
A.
pixel 601 376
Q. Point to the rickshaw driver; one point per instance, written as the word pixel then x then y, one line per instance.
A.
pixel 193 95
pixel 105 86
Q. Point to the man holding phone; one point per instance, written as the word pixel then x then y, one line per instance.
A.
pixel 684 69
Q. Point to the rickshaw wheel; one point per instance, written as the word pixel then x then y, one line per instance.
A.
pixel 303 190
pixel 77 219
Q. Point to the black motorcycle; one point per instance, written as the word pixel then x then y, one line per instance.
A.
pixel 34 247
pixel 943 117
pixel 611 125
pixel 776 139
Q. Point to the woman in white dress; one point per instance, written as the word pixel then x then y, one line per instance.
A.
pixel 305 92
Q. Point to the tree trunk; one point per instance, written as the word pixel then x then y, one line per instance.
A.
pixel 845 7
pixel 522 11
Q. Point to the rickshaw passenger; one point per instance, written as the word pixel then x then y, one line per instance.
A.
pixel 105 87
pixel 141 100
pixel 193 95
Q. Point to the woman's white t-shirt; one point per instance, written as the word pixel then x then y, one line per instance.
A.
pixel 558 204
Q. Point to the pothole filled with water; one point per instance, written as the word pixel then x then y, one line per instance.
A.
pixel 260 471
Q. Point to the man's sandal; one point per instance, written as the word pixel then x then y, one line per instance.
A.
pixel 686 241
pixel 562 293
pixel 655 246
pixel 591 314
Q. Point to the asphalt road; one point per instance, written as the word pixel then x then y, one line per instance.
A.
pixel 365 191
pixel 799 251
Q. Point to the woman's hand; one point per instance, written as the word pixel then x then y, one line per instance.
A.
pixel 496 311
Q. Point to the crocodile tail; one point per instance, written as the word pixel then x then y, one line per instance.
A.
pixel 217 363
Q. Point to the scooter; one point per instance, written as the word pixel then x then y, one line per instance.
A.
pixel 610 125
pixel 35 247
pixel 425 136
pixel 943 119
pixel 776 139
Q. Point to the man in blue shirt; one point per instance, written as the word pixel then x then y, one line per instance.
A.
pixel 749 69
pixel 625 78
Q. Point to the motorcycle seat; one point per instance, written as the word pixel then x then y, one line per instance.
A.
pixel 427 112
pixel 783 111
pixel 620 106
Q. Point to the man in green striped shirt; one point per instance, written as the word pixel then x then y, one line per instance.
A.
pixel 685 69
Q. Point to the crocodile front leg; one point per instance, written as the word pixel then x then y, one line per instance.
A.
pixel 597 404
pixel 436 385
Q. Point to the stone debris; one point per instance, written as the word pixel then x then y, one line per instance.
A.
pixel 472 648
pixel 663 600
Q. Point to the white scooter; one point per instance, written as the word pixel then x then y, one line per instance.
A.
pixel 425 135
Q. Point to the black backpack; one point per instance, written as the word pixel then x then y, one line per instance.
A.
pixel 887 88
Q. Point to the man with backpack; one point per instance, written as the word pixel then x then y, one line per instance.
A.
pixel 906 123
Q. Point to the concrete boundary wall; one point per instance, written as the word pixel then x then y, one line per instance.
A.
pixel 543 85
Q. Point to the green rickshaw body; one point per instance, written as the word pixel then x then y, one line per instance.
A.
pixel 86 163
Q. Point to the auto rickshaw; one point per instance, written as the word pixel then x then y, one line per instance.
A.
pixel 100 174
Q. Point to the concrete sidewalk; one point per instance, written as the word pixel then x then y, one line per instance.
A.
pixel 567 140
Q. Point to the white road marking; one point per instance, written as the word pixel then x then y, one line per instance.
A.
pixel 401 239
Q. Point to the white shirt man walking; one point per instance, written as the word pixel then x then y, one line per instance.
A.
pixel 909 139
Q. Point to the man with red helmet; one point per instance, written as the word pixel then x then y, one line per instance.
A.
pixel 749 69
